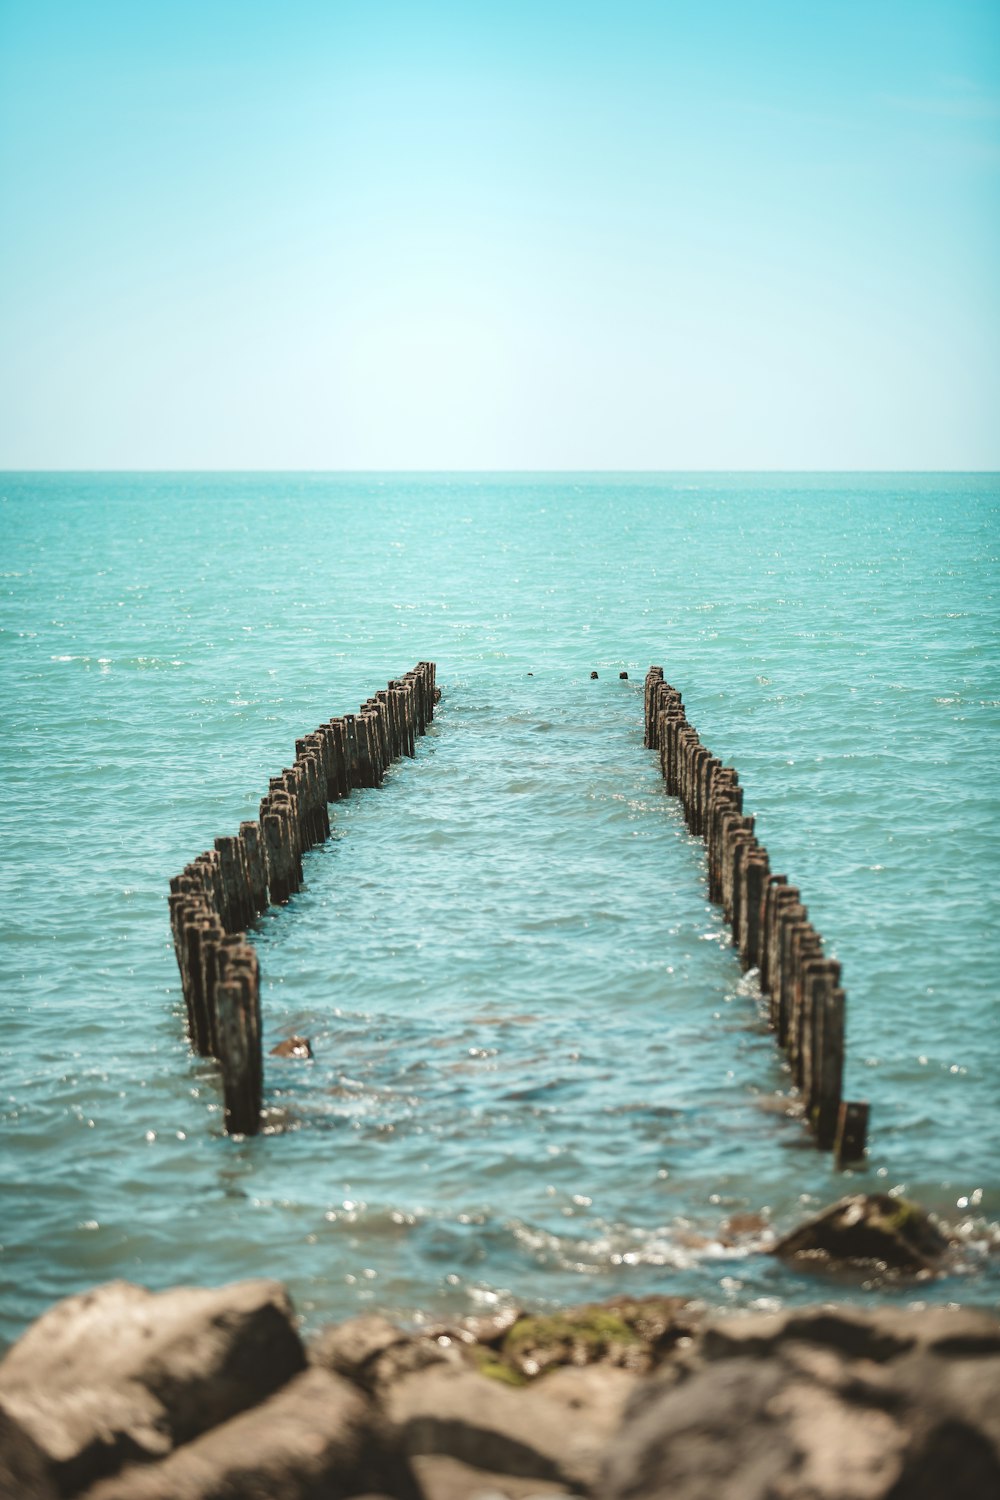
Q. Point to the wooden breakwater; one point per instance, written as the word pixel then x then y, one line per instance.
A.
pixel 769 921
pixel 218 896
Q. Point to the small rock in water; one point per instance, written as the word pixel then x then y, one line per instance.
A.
pixel 593 676
pixel 869 1227
pixel 293 1046
pixel 623 677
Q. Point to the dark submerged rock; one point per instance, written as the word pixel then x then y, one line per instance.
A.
pixel 868 1227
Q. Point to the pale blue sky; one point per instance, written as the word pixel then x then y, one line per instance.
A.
pixel 528 235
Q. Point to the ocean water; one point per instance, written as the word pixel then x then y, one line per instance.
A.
pixel 539 1073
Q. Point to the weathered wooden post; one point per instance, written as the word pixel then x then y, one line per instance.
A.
pixel 852 1131
pixel 826 1105
pixel 654 675
pixel 237 999
pixel 757 872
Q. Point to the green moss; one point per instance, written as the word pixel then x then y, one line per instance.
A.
pixel 493 1368
pixel 594 1326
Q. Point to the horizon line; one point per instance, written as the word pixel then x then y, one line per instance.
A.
pixel 224 469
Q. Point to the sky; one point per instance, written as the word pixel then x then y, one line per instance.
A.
pixel 542 234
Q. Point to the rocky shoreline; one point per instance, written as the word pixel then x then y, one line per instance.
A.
pixel 196 1394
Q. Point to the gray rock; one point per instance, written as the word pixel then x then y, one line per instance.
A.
pixel 844 1328
pixel 319 1438
pixel 352 1348
pixel 868 1227
pixel 811 1423
pixel 443 1478
pixel 878 1333
pixel 742 1430
pixel 120 1374
pixel 554 1430
pixel 373 1353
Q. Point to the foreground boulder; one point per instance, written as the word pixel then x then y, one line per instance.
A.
pixel 867 1228
pixel 120 1374
pixel 123 1395
pixel 555 1431
pixel 810 1424
pixel 318 1439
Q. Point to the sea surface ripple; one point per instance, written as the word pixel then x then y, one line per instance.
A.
pixel 539 1073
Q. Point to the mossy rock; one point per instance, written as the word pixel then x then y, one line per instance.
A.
pixel 488 1363
pixel 631 1333
pixel 869 1228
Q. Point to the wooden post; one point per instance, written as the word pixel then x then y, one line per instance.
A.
pixel 757 872
pixel 351 737
pixel 253 845
pixel 806 949
pixel 744 844
pixel 654 675
pixel 829 1002
pixel 852 1131
pixel 376 745
pixel 212 936
pixel 790 916
pixel 276 846
pixel 403 698
pixel 237 1004
pixel 340 760
pixel 362 738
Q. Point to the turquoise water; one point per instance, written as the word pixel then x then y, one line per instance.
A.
pixel 539 1073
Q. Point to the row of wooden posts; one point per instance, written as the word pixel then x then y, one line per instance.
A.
pixel 218 896
pixel 770 925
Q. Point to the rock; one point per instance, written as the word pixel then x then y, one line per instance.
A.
pixel 352 1348
pixel 623 677
pixel 553 1431
pixel 373 1353
pixel 24 1470
pixel 812 1423
pixel 692 1441
pixel 633 1333
pixel 844 1328
pixel 319 1438
pixel 743 1226
pixel 120 1374
pixel 879 1334
pixel 868 1227
pixel 491 1328
pixel 448 1479
pixel 293 1046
